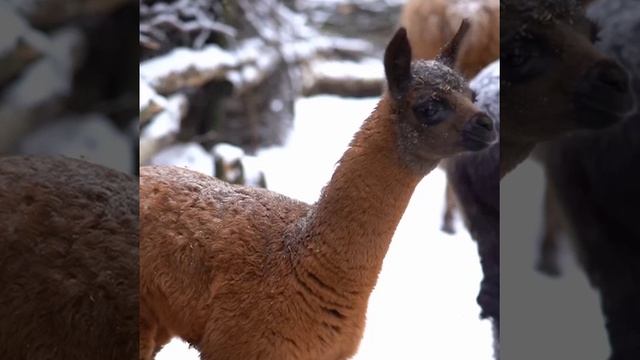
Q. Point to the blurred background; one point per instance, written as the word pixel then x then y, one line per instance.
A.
pixel 219 79
pixel 68 84
pixel 269 93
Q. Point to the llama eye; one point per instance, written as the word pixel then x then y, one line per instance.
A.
pixel 432 112
pixel 525 58
pixel 517 57
pixel 474 96
pixel 432 109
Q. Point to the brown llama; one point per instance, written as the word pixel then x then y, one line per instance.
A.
pixel 69 260
pixel 430 23
pixel 245 273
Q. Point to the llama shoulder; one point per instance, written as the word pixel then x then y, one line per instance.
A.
pixel 181 208
pixel 211 199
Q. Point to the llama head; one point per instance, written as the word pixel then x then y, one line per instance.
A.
pixel 433 104
pixel 553 79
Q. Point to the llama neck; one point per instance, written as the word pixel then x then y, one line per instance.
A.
pixel 349 231
pixel 512 153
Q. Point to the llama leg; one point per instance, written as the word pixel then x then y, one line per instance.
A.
pixel 489 296
pixel 449 208
pixel 152 336
pixel 609 256
pixel 495 329
pixel 547 262
pixel 162 338
pixel 489 252
pixel 619 275
pixel 147 344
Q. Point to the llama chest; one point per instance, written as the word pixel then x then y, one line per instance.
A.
pixel 285 325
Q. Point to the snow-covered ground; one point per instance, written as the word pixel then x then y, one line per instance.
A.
pixel 423 306
pixel 541 317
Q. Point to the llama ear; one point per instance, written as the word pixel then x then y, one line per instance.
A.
pixel 449 53
pixel 397 64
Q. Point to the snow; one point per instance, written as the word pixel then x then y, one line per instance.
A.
pixel 243 65
pixel 321 131
pixel 250 58
pixel 227 152
pixel 276 105
pixel 177 350
pixel 91 137
pixel 181 59
pixel 147 96
pixel 316 3
pixel 64 47
pixel 13 28
pixel 487 87
pixel 25 6
pixel 188 155
pixel 541 317
pixel 168 120
pixel 423 306
pixel 252 167
pixel 51 75
pixel 232 160
pixel 254 50
pixel 367 69
pixel 41 81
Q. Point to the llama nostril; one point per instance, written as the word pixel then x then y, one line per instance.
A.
pixel 611 75
pixel 483 121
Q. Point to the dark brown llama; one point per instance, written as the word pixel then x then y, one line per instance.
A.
pixel 69 260
pixel 593 182
pixel 550 73
pixel 245 273
pixel 550 69
pixel 473 179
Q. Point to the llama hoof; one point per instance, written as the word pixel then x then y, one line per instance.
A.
pixel 549 268
pixel 448 228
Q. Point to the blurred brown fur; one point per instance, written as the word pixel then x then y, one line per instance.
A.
pixel 431 23
pixel 69 255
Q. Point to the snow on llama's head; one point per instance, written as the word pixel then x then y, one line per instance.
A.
pixel 433 104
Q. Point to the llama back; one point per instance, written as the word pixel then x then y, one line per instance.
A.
pixel 203 240
pixel 69 255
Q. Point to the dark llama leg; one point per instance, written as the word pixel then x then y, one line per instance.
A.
pixel 449 209
pixel 548 262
